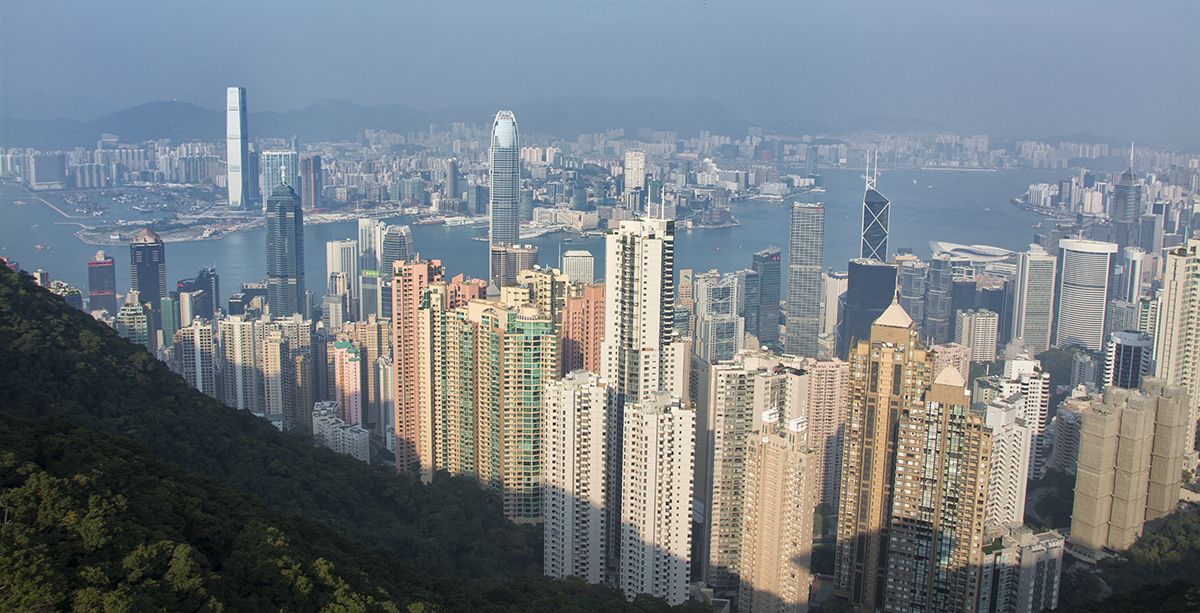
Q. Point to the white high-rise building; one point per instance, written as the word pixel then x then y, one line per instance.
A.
pixel 1177 335
pixel 575 456
pixel 640 352
pixel 242 374
pixel 195 354
pixel 635 172
pixel 578 266
pixel 1022 575
pixel 656 498
pixel 1011 445
pixel 833 289
pixel 1082 289
pixel 976 330
pixel 341 257
pixel 1033 307
pixel 1025 376
pixel 237 148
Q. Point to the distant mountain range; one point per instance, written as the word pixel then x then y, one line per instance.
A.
pixel 341 120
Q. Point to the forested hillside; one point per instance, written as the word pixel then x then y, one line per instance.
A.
pixel 92 522
pixel 59 361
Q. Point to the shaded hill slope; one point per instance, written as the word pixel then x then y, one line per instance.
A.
pixel 58 361
pixel 92 522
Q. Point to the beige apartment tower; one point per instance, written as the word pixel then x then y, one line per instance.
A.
pixel 1131 447
pixel 777 528
pixel 914 479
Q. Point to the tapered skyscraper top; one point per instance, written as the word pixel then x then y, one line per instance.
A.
pixel 506 181
pixel 237 147
pixel 875 221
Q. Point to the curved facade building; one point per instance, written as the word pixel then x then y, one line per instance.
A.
pixel 1082 292
pixel 506 181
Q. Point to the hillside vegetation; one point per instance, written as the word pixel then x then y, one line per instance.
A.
pixel 60 362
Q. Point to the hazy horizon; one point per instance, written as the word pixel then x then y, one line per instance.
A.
pixel 1010 69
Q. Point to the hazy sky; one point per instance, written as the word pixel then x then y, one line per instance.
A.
pixel 1128 70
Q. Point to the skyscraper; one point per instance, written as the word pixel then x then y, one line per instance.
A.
pixel 642 357
pixel 311 182
pixel 148 267
pixel 1012 442
pixel 196 356
pixel 578 265
pixel 833 302
pixel 1177 337
pixel 1033 303
pixel 134 322
pixel 583 330
pixel 370 244
pixel 776 535
pixel 505 185
pixel 1082 293
pixel 635 173
pixel 870 288
pixel 876 222
pixel 341 269
pixel 1128 357
pixel 575 448
pixel 720 332
pixel 237 150
pixel 805 246
pixel 767 264
pixel 939 302
pixel 1131 452
pixel 102 284
pixel 656 498
pixel 976 330
pixel 639 352
pixel 241 373
pixel 285 253
pixel 409 281
pixel 914 475
pixel 1127 195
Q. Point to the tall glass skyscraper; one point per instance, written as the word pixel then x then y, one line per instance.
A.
pixel 148 267
pixel 1082 293
pixel 870 289
pixel 766 262
pixel 285 253
pixel 875 222
pixel 237 148
pixel 506 183
pixel 806 244
pixel 102 284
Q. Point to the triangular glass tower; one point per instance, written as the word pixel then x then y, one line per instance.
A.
pixel 875 220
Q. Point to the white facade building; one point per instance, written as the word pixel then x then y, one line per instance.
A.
pixel 237 148
pixel 1082 289
pixel 578 266
pixel 575 456
pixel 1033 307
pixel 656 499
pixel 331 432
pixel 1011 446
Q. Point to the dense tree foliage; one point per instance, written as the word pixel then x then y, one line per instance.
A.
pixel 1178 597
pixel 91 522
pixel 1171 553
pixel 58 361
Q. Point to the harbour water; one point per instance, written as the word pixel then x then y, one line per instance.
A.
pixel 956 206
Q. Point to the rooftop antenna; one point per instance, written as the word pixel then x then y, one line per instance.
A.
pixel 871 178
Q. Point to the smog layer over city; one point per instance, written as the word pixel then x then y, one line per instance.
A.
pixel 683 305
